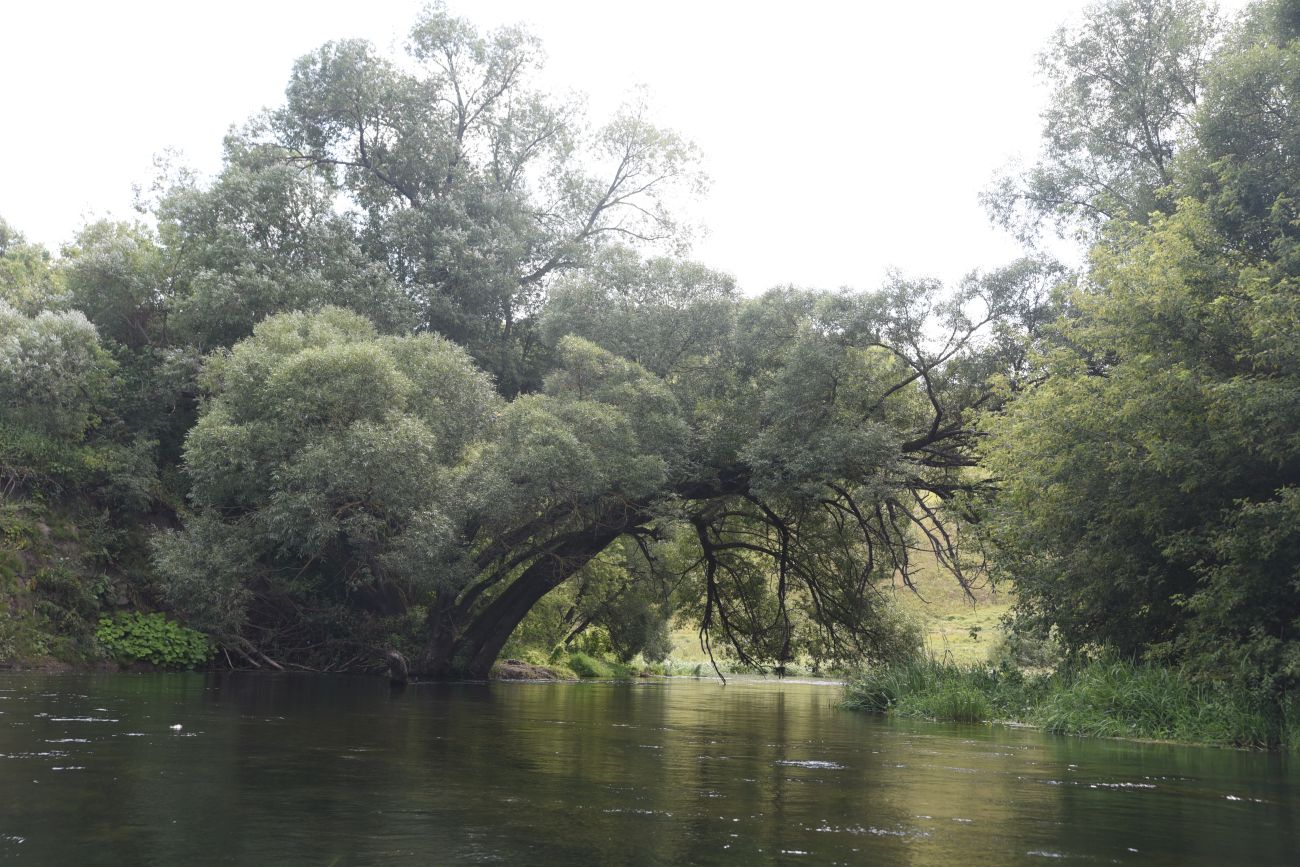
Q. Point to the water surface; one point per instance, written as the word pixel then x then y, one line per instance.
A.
pixel 317 770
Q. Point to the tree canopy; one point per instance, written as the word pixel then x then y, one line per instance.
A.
pixel 429 348
pixel 791 462
pixel 473 187
pixel 1125 84
pixel 1149 481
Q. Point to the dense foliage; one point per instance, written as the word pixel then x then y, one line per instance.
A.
pixel 423 370
pixel 1150 477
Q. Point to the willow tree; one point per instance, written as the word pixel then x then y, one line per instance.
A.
pixel 1125 83
pixel 469 184
pixel 355 493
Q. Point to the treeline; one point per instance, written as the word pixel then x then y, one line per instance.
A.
pixel 1148 497
pixel 420 371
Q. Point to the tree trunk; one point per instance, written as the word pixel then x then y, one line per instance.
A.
pixel 468 650
pixel 435 660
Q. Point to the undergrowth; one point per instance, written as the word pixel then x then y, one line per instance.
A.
pixel 153 638
pixel 1104 698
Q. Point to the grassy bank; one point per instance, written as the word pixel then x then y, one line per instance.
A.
pixel 1101 699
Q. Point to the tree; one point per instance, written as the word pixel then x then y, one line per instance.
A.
pixel 264 238
pixel 28 279
pixel 58 432
pixel 1125 84
pixel 54 373
pixel 802 469
pixel 473 188
pixel 665 314
pixel 261 239
pixel 1244 163
pixel 322 480
pixel 117 275
pixel 1149 480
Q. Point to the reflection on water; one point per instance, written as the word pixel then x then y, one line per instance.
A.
pixel 316 770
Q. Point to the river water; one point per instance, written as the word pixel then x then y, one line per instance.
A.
pixel 341 771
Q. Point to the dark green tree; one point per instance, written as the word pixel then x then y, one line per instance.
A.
pixel 1149 481
pixel 802 455
pixel 29 282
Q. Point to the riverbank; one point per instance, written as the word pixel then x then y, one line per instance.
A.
pixel 1101 699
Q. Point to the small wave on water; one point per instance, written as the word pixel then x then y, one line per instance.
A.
pixel 811 763
pixel 901 831
pixel 102 719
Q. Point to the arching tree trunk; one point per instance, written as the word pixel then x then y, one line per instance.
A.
pixel 490 631
pixel 467 649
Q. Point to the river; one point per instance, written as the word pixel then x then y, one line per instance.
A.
pixel 342 771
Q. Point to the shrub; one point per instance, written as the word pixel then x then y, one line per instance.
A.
pixel 134 637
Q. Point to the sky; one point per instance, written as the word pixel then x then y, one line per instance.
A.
pixel 843 139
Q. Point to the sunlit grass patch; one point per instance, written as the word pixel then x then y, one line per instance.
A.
pixel 959 628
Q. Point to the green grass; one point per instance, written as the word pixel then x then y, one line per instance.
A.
pixel 933 690
pixel 587 666
pixel 960 629
pixel 1106 698
pixel 1115 699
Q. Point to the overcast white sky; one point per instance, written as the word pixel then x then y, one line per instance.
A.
pixel 842 138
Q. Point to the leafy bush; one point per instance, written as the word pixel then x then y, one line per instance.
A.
pixel 594 641
pixel 133 637
pixel 1026 650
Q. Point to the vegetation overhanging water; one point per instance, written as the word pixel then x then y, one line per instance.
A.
pixel 414 381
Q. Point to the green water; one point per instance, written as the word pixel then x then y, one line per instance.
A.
pixel 316 770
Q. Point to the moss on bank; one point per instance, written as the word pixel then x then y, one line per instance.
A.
pixel 1102 699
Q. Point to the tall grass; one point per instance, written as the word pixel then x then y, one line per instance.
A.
pixel 934 690
pixel 1105 698
pixel 1118 699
